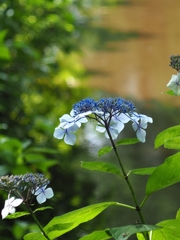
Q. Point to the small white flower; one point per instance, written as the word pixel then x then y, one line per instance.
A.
pixel 9 206
pixel 43 194
pixel 174 84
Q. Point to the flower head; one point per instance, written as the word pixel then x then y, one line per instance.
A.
pixel 110 114
pixel 24 187
pixel 174 84
pixel 9 206
pixel 175 62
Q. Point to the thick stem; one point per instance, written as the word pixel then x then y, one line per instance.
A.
pixel 137 207
pixel 37 222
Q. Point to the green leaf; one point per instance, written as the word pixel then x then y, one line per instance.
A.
pixel 178 215
pixel 101 166
pixel 170 230
pixel 42 209
pixel 123 233
pixel 166 135
pixel 17 215
pixel 127 141
pixel 170 92
pixel 98 235
pixel 66 222
pixel 34 236
pixel 104 150
pixel 143 171
pixel 165 175
pixel 173 143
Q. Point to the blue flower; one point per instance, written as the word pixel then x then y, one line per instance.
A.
pixel 174 84
pixel 139 124
pixel 110 114
pixel 43 194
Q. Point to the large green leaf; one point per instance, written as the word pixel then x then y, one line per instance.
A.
pixel 101 166
pixel 104 150
pixel 98 235
pixel 166 135
pixel 143 171
pixel 165 175
pixel 173 143
pixel 127 141
pixel 123 233
pixel 34 236
pixel 170 230
pixel 65 223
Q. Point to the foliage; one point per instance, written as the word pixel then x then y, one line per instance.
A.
pixel 40 75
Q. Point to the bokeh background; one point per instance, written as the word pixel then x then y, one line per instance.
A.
pixel 55 53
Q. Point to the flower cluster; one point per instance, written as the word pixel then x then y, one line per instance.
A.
pixel 174 83
pixel 175 62
pixel 110 114
pixel 23 188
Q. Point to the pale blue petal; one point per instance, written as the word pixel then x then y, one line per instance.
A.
pixel 40 190
pixel 100 128
pixel 49 193
pixel 123 118
pixel 59 133
pixel 141 135
pixel 135 126
pixel 70 138
pixel 41 198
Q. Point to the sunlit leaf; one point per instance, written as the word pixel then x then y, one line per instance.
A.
pixel 165 175
pixel 170 230
pixel 123 233
pixel 98 235
pixel 127 141
pixel 66 222
pixel 17 215
pixel 173 143
pixel 104 150
pixel 166 135
pixel 143 171
pixel 42 209
pixel 101 166
pixel 34 236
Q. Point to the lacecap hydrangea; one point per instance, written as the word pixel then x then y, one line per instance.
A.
pixel 109 114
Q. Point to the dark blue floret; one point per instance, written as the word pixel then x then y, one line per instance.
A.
pixel 85 105
pixel 106 105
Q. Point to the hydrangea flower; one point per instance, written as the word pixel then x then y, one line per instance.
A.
pixel 9 206
pixel 43 194
pixel 25 186
pixel 174 84
pixel 110 115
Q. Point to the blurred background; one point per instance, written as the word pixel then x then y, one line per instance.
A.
pixel 55 53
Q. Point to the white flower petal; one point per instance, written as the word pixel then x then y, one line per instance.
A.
pixel 16 202
pixel 4 212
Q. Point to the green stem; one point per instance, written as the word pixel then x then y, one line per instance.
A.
pixel 137 207
pixel 37 222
